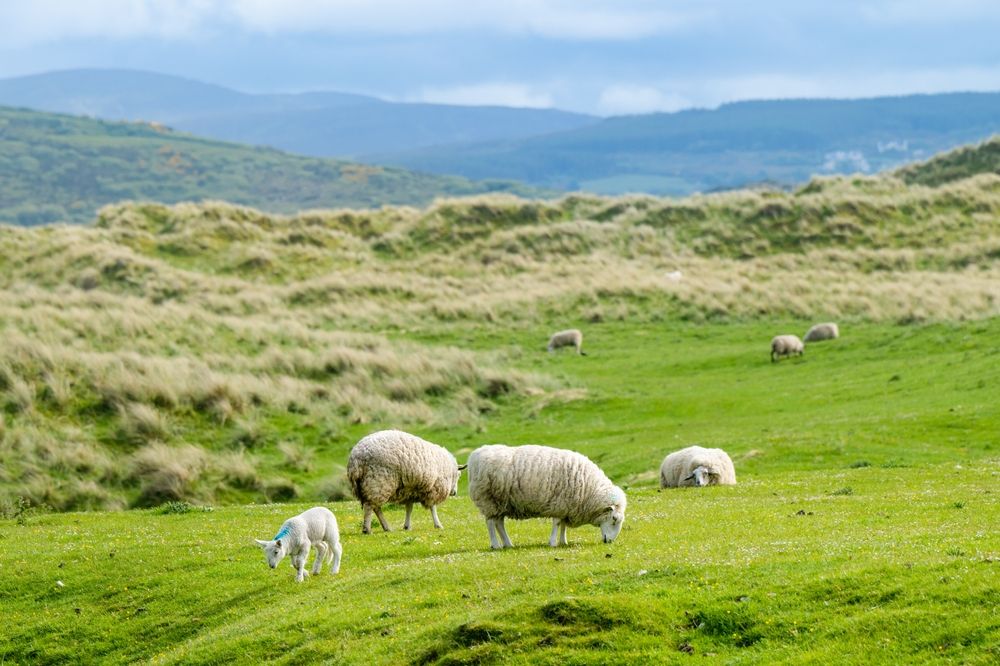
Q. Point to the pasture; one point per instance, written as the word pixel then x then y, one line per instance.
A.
pixel 863 529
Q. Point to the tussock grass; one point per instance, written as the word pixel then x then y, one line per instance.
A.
pixel 230 330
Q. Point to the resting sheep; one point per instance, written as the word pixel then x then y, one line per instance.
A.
pixel 314 527
pixel 569 338
pixel 697 466
pixel 542 482
pixel 827 331
pixel 395 466
pixel 786 345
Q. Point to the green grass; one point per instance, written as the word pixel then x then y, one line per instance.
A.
pixel 60 168
pixel 863 529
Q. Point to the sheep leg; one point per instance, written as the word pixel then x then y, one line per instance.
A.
pixel 366 527
pixel 554 539
pixel 299 562
pixel 503 533
pixel 320 556
pixel 381 519
pixel 434 517
pixel 491 527
pixel 338 550
pixel 562 535
pixel 409 510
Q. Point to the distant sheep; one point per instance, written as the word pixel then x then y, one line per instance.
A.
pixel 697 466
pixel 315 527
pixel 786 345
pixel 568 338
pixel 542 482
pixel 395 466
pixel 827 331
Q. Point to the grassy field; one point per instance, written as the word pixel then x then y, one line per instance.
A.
pixel 189 356
pixel 863 529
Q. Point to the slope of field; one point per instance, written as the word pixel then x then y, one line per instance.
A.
pixel 784 141
pixel 954 165
pixel 190 355
pixel 861 531
pixel 56 168
pixel 321 124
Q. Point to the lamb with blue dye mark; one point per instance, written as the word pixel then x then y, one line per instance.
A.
pixel 316 527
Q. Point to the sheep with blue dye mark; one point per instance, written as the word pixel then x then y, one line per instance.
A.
pixel 395 466
pixel 786 345
pixel 543 482
pixel 316 527
pixel 697 466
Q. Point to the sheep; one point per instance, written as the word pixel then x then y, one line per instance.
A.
pixel 786 345
pixel 543 482
pixel 395 466
pixel 827 331
pixel 569 338
pixel 314 527
pixel 697 466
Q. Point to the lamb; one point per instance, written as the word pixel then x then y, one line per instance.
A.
pixel 786 345
pixel 827 331
pixel 314 527
pixel 543 482
pixel 569 338
pixel 395 466
pixel 697 466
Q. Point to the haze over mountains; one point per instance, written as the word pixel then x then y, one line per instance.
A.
pixel 782 142
pixel 319 124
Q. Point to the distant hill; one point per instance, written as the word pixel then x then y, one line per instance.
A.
pixel 955 165
pixel 59 168
pixel 701 150
pixel 323 124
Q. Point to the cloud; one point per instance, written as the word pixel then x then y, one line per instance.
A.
pixel 488 94
pixel 47 20
pixel 631 99
pixel 41 21
pixel 897 12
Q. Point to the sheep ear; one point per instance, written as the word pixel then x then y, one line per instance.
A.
pixel 688 478
pixel 461 467
pixel 262 544
pixel 277 542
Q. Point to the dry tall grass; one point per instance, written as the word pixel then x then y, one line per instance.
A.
pixel 159 320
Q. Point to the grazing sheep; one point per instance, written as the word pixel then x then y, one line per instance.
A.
pixel 697 466
pixel 786 345
pixel 569 338
pixel 827 331
pixel 542 482
pixel 395 466
pixel 314 527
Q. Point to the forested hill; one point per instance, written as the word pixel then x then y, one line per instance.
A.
pixel 59 168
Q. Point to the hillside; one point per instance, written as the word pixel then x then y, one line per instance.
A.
pixel 242 332
pixel 954 165
pixel 785 141
pixel 319 124
pixel 216 364
pixel 57 168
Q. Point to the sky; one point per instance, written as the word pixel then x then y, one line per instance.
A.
pixel 607 58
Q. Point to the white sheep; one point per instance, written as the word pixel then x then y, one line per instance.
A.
pixel 697 466
pixel 395 466
pixel 314 527
pixel 827 331
pixel 786 345
pixel 569 338
pixel 543 482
